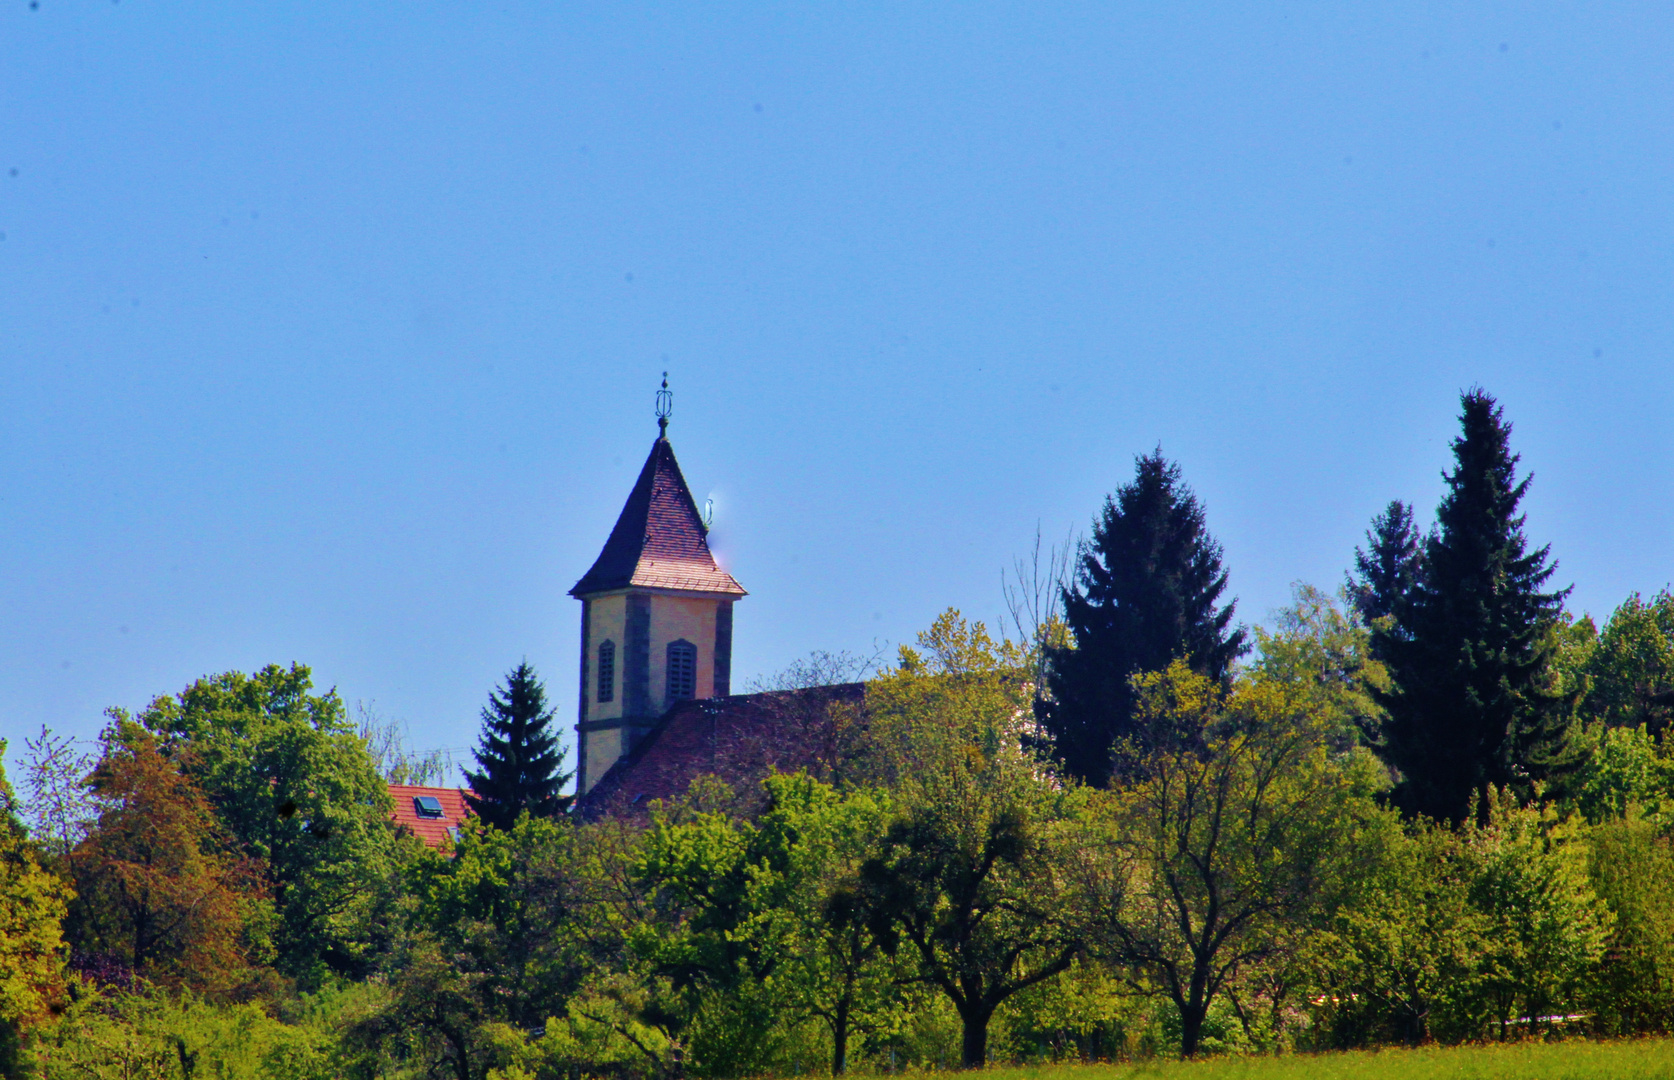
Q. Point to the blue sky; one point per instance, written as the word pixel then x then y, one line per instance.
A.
pixel 330 334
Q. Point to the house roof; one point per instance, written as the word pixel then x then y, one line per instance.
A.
pixel 659 541
pixel 740 739
pixel 435 832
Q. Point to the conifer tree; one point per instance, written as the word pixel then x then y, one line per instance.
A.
pixel 1145 593
pixel 519 758
pixel 1470 702
pixel 1383 575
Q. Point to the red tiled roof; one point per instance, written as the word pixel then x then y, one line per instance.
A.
pixel 659 540
pixel 433 831
pixel 741 739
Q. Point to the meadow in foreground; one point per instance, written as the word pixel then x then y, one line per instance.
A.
pixel 1627 1059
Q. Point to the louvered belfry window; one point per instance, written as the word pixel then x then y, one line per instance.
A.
pixel 682 671
pixel 607 671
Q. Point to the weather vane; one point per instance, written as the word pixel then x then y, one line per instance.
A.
pixel 665 407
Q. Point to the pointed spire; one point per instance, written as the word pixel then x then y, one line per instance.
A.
pixel 659 541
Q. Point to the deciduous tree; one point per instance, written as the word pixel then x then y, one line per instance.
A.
pixel 1321 654
pixel 1631 668
pixel 968 878
pixel 504 903
pixel 756 922
pixel 725 930
pixel 1230 846
pixel 433 1016
pixel 288 775
pixel 1402 951
pixel 1631 863
pixel 1545 928
pixel 60 806
pixel 32 906
pixel 161 887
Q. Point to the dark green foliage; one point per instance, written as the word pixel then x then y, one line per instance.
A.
pixel 1146 591
pixel 1384 575
pixel 1577 640
pixel 741 948
pixel 1242 889
pixel 290 779
pixel 725 937
pixel 1403 945
pixel 1223 849
pixel 433 1017
pixel 1469 653
pixel 980 917
pixel 519 757
pixel 1621 773
pixel 501 905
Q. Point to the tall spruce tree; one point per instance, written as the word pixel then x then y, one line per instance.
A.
pixel 519 758
pixel 1145 592
pixel 1384 574
pixel 1470 702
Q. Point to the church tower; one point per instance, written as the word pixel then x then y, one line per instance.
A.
pixel 656 615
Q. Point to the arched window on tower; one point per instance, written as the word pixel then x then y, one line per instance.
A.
pixel 607 671
pixel 682 671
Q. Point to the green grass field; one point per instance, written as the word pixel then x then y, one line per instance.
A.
pixel 1641 1059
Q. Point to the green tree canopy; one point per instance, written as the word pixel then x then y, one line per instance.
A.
pixel 1631 669
pixel 503 902
pixel 751 918
pixel 293 782
pixel 968 877
pixel 1632 865
pixel 1225 852
pixel 1476 932
pixel 1321 654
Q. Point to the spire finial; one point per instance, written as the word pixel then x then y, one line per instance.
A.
pixel 665 407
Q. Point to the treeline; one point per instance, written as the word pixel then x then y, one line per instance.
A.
pixel 1433 806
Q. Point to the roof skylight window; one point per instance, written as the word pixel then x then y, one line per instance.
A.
pixel 428 806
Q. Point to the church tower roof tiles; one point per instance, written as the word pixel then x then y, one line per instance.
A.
pixel 659 541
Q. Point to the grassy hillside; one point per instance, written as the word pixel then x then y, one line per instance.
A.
pixel 1642 1059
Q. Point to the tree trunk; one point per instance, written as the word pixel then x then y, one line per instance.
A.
pixel 976 1039
pixel 461 1053
pixel 1191 1028
pixel 1415 1025
pixel 840 1040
